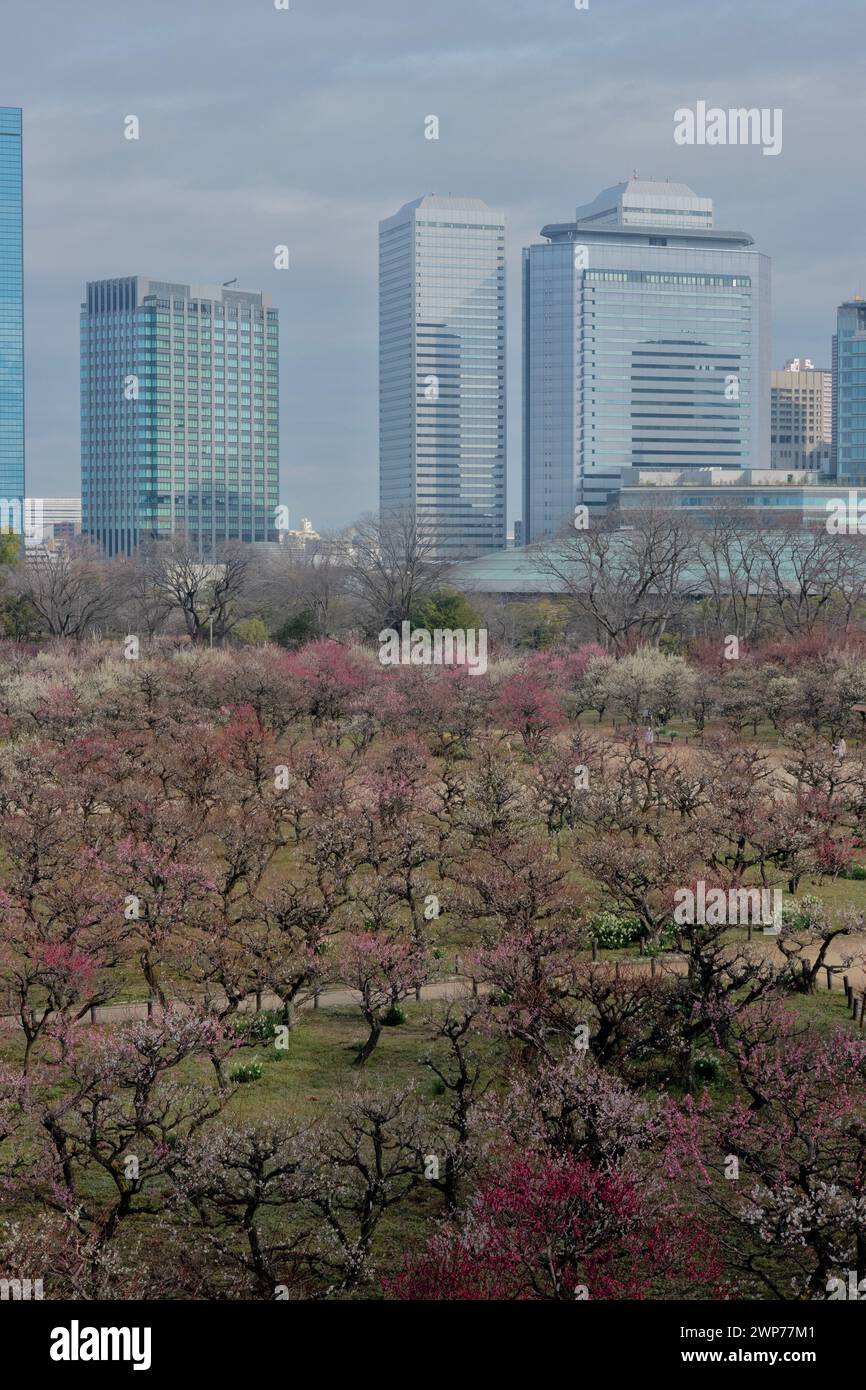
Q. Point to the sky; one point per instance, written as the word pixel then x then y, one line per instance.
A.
pixel 262 126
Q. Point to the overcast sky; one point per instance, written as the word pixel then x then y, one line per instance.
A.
pixel 261 126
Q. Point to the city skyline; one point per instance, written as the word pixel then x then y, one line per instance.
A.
pixel 284 136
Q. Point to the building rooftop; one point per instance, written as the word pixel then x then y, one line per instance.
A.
pixel 476 208
pixel 640 208
pixel 645 202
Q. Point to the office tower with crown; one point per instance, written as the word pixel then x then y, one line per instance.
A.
pixel 646 342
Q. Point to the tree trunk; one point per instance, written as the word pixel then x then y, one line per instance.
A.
pixel 369 1045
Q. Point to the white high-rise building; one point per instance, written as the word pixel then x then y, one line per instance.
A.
pixel 801 416
pixel 442 371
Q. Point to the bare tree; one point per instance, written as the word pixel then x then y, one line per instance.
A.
pixel 392 565
pixel 147 606
pixel 627 583
pixel 71 588
pixel 306 591
pixel 204 593
pixel 733 572
pixel 813 576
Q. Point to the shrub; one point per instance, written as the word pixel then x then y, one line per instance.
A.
pixel 707 1068
pixel 612 932
pixel 394 1017
pixel 251 632
pixel 248 1071
pixel 255 1028
pixel 800 916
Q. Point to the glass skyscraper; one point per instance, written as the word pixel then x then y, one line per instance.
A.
pixel 849 392
pixel 179 414
pixel 442 371
pixel 646 343
pixel 11 322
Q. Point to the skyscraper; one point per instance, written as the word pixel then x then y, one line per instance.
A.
pixel 801 416
pixel 179 414
pixel 849 392
pixel 646 340
pixel 442 371
pixel 11 323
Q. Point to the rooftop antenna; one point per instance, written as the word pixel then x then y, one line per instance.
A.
pixel 226 283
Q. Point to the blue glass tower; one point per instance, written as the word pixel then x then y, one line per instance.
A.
pixel 849 392
pixel 11 322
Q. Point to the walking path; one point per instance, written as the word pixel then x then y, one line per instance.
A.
pixel 135 1011
pixel 458 986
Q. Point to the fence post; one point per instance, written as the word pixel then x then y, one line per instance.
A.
pixel 417 994
pixel 595 950
pixel 315 999
pixel 829 977
pixel 652 966
pixel 474 986
pixel 93 1013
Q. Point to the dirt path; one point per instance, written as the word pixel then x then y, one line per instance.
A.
pixel 135 1011
pixel 458 986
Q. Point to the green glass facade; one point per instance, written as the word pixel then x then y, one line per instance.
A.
pixel 179 414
